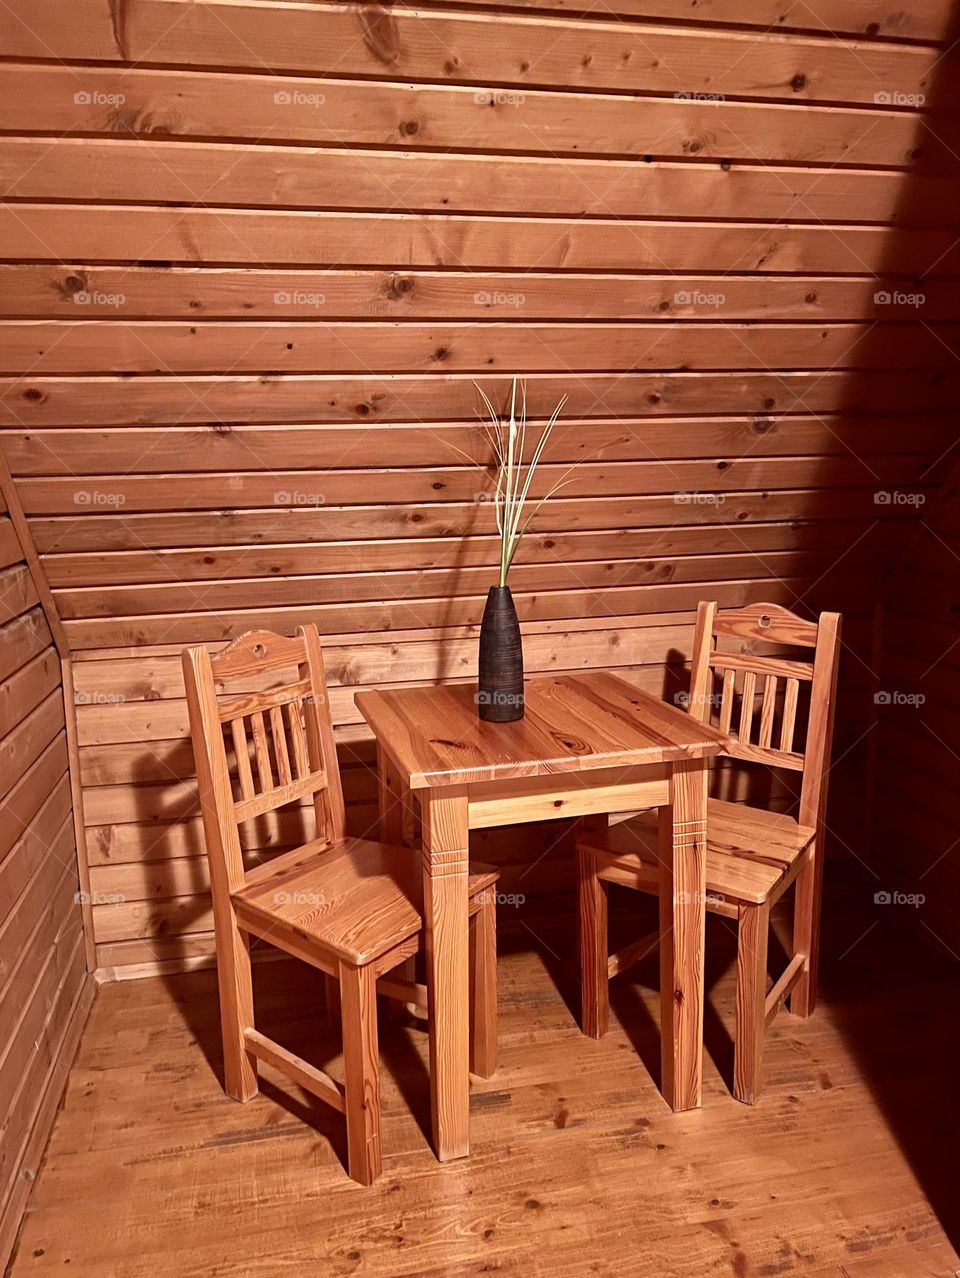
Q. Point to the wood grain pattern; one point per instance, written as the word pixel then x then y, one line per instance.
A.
pixel 45 989
pixel 571 725
pixel 350 907
pixel 733 859
pixel 707 224
pixel 859 1173
pixel 599 721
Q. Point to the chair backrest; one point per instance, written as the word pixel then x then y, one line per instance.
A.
pixel 725 687
pixel 281 740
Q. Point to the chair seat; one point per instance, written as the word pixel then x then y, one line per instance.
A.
pixel 750 851
pixel 354 897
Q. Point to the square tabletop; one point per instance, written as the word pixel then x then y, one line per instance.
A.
pixel 572 723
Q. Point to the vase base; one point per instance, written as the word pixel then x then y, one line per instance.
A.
pixel 499 707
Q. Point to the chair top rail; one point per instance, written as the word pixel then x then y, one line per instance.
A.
pixel 767 621
pixel 256 652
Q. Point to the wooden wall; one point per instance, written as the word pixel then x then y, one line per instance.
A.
pixel 918 695
pixel 257 254
pixel 44 987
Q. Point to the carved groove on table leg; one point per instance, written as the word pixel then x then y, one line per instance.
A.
pixel 683 830
pixel 445 858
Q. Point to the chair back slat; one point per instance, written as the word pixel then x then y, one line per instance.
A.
pixel 261 751
pixel 241 752
pixel 278 733
pixel 726 699
pixel 759 696
pixel 747 697
pixel 767 709
pixel 280 741
pixel 298 740
pixel 789 718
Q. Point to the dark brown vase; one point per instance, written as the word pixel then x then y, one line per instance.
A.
pixel 500 690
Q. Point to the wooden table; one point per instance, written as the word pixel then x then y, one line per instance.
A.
pixel 589 744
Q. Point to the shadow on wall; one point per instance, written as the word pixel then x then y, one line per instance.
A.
pixel 904 1033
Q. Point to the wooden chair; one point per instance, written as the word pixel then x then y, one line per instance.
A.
pixel 350 907
pixel 752 855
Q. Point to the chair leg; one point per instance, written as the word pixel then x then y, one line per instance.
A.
pixel 594 980
pixel 235 982
pixel 806 933
pixel 331 990
pixel 483 987
pixel 395 1010
pixel 752 940
pixel 361 1064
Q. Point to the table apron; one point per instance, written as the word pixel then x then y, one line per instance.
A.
pixel 544 798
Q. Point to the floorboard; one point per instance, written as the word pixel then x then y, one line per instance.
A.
pixel 844 1170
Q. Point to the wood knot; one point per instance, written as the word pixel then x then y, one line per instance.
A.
pixel 399 286
pixel 798 82
pixel 73 284
pixel 380 34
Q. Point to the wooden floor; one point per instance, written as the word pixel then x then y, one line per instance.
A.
pixel 577 1169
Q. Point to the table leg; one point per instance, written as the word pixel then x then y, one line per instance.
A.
pixel 445 864
pixel 683 828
